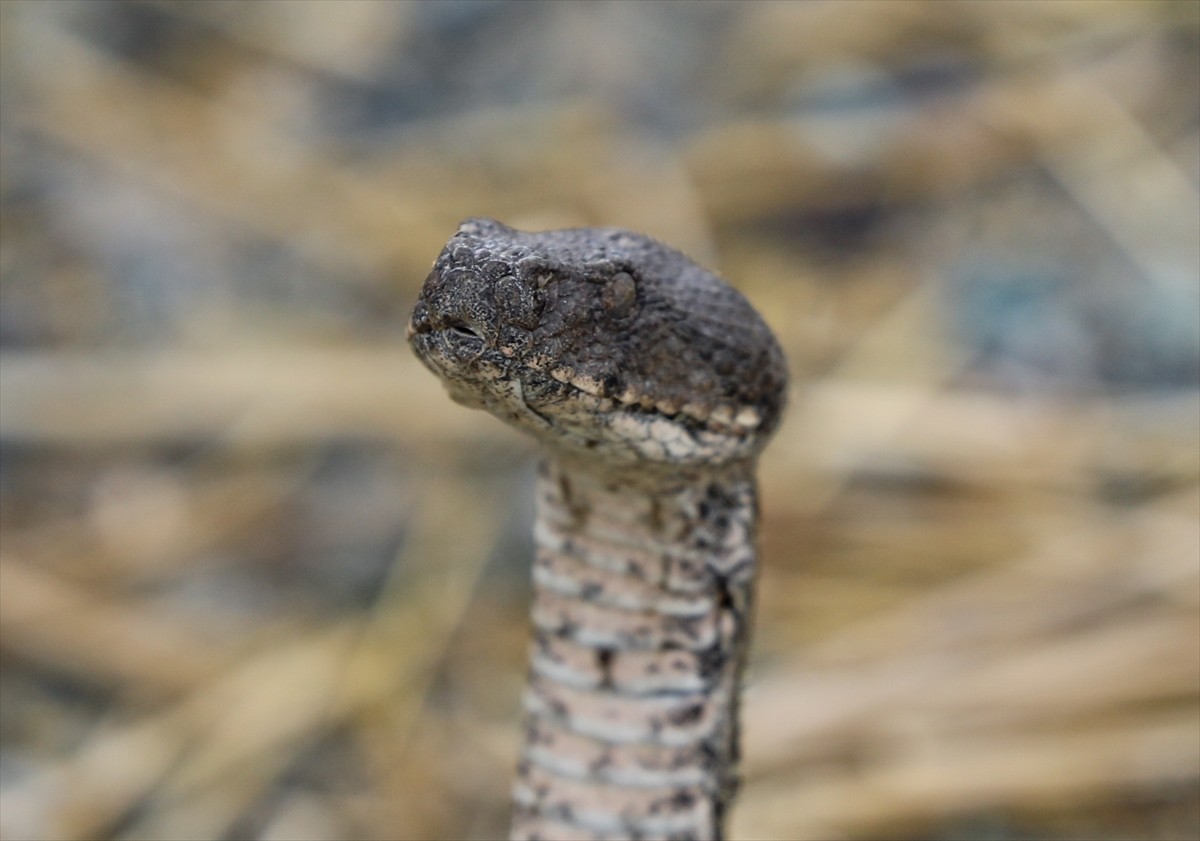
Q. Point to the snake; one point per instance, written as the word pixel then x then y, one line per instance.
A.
pixel 652 386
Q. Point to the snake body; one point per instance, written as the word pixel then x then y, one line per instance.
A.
pixel 653 386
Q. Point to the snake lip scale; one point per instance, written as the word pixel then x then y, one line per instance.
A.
pixel 653 387
pixel 720 418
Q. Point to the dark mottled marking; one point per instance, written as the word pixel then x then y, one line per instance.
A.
pixel 683 799
pixel 601 763
pixel 579 509
pixel 719 496
pixel 566 629
pixel 545 648
pixel 538 735
pixel 684 759
pixel 733 598
pixel 656 517
pixel 725 600
pixel 686 715
pixel 689 626
pixel 604 661
pixel 711 661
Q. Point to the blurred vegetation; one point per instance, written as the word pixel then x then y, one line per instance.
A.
pixel 260 578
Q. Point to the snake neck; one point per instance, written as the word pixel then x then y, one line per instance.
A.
pixel 642 601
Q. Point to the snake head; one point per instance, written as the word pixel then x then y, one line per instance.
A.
pixel 601 342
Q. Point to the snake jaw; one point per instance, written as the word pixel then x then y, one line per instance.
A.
pixel 565 416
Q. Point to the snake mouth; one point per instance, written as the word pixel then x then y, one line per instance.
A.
pixel 459 355
pixel 565 407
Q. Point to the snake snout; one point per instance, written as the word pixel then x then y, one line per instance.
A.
pixel 419 322
pixel 455 307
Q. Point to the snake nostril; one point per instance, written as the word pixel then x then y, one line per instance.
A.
pixel 464 331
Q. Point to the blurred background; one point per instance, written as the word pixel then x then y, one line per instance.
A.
pixel 261 579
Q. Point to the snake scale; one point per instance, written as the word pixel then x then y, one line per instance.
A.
pixel 653 387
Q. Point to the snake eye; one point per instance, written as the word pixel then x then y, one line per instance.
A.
pixel 620 293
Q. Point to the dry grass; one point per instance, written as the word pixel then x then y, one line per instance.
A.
pixel 260 579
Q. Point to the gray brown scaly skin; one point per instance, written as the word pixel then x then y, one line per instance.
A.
pixel 653 386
